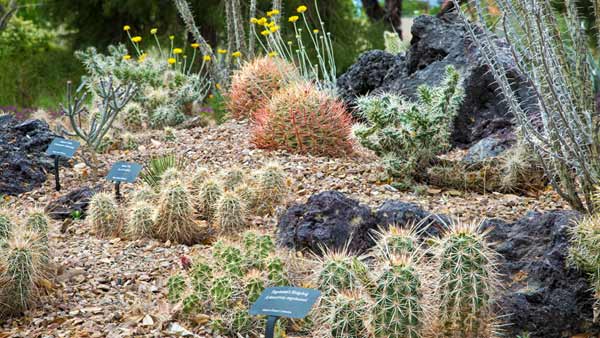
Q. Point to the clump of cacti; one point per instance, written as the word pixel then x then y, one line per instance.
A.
pixel 335 273
pixel 231 213
pixel 347 313
pixel 175 221
pixel 232 178
pixel 199 176
pixel 271 188
pixel 176 287
pixel 133 116
pixel 104 216
pixel 171 174
pixel 209 195
pixel 301 118
pixel 166 116
pixel 140 224
pixel 467 281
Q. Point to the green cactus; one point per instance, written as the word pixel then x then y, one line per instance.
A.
pixel 145 193
pixel 37 221
pixel 210 193
pixel 241 322
pixel 201 274
pixel 248 193
pixel 265 247
pixel 199 176
pixel 166 116
pixel 221 292
pixel 271 188
pixel 398 241
pixel 335 274
pixel 361 271
pixel 142 216
pixel 398 309
pixel 584 252
pixel 253 285
pixel 21 263
pixel 6 226
pixel 230 213
pixel 232 177
pixel 190 304
pixel 175 220
pixel 104 216
pixel 176 286
pixel 467 281
pixel 232 261
pixel 276 271
pixel 169 135
pixel 133 116
pixel 349 310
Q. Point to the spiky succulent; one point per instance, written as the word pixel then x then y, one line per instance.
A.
pixel 221 292
pixel 176 288
pixel 210 194
pixel 231 260
pixel 166 116
pixel 348 313
pixel 398 309
pixel 171 174
pixel 201 275
pixel 144 193
pixel 271 188
pixel 335 274
pixel 104 216
pixel 230 213
pixel 141 220
pixel 6 225
pixel 133 116
pixel 199 176
pixel 253 285
pixel 175 221
pixel 232 177
pixel 396 240
pixel 467 280
pixel 190 304
pixel 169 135
pixel 276 271
pixel 584 252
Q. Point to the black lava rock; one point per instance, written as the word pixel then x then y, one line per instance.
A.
pixel 76 200
pixel 436 43
pixel 23 163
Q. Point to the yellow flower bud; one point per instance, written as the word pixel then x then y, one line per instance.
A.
pixel 222 51
pixel 206 57
pixel 195 45
pixel 293 18
pixel 171 37
pixel 236 54
pixel 316 31
pixel 153 31
pixel 273 54
pixel 127 57
pixel 262 21
pixel 302 9
pixel 274 29
pixel 171 61
pixel 126 28
pixel 253 20
pixel 136 39
pixel 265 32
pixel 177 50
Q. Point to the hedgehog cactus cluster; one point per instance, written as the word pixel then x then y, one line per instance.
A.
pixel 104 216
pixel 24 255
pixel 225 286
pixel 411 290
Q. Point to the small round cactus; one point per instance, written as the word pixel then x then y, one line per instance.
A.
pixel 190 303
pixel 199 176
pixel 271 188
pixel 166 116
pixel 201 274
pixel 221 291
pixel 276 271
pixel 398 309
pixel 133 116
pixel 336 274
pixel 176 288
pixel 232 178
pixel 104 216
pixel 232 261
pixel 171 174
pixel 145 193
pixel 348 313
pixel 253 285
pixel 231 213
pixel 242 323
pixel 210 193
pixel 6 226
pixel 467 280
pixel 397 241
pixel 21 266
pixel 175 220
pixel 142 216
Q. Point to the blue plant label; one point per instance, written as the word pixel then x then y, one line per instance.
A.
pixel 290 302
pixel 124 172
pixel 62 147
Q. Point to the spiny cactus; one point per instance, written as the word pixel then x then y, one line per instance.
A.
pixel 348 313
pixel 276 271
pixel 142 216
pixel 467 281
pixel 396 240
pixel 104 216
pixel 335 274
pixel 584 252
pixel 169 135
pixel 171 174
pixel 144 193
pixel 231 260
pixel 300 118
pixel 210 193
pixel 175 221
pixel 156 97
pixel 166 116
pixel 201 275
pixel 221 291
pixel 241 321
pixel 232 177
pixel 231 213
pixel 253 285
pixel 199 176
pixel 190 303
pixel 6 225
pixel 271 188
pixel 393 43
pixel 398 309
pixel 21 266
pixel 133 116
pixel 176 285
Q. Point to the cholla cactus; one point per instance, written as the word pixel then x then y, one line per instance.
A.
pixel 348 313
pixel 210 194
pixel 303 119
pixel 232 178
pixel 166 116
pixel 584 252
pixel 398 309
pixel 6 225
pixel 175 220
pixel 231 213
pixel 21 267
pixel 142 216
pixel 104 216
pixel 271 189
pixel 176 285
pixel 467 281
pixel 408 135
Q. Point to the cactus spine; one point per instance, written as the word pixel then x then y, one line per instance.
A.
pixel 210 193
pixel 253 285
pixel 176 285
pixel 141 220
pixel 231 213
pixel 6 226
pixel 175 215
pixel 584 252
pixel 271 189
pixel 348 311
pixel 201 274
pixel 233 177
pixel 221 292
pixel 336 274
pixel 104 215
pixel 397 241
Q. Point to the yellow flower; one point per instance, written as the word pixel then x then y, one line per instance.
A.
pixel 142 57
pixel 302 9
pixel 222 51
pixel 177 50
pixel 206 57
pixel 171 61
pixel 126 28
pixel 171 37
pixel 274 29
pixel 236 54
pixel 315 31
pixel 289 43
pixel 127 57
pixel 273 12
pixel 273 54
pixel 262 21
pixel 218 86
pixel 195 45
pixel 153 31
pixel 136 39
pixel 253 20
pixel 293 18
pixel 265 32
pixel 270 24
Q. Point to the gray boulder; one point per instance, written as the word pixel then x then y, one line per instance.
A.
pixel 436 43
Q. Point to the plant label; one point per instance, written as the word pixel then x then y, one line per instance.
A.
pixel 62 147
pixel 124 172
pixel 285 301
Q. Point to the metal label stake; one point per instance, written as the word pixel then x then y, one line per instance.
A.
pixel 57 173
